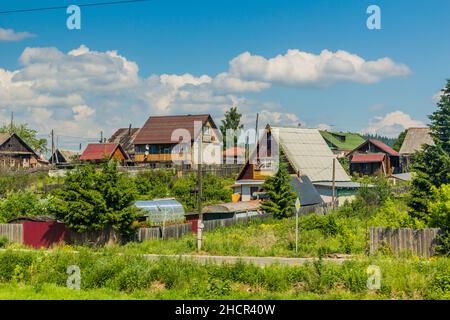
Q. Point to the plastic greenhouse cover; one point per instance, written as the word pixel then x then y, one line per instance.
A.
pixel 160 210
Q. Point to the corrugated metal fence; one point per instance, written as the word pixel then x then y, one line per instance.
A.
pixel 12 232
pixel 420 242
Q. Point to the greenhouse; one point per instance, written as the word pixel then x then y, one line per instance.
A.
pixel 161 211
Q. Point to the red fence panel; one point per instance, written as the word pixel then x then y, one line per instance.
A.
pixel 39 234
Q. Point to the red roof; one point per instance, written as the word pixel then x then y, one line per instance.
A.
pixel 234 152
pixel 100 151
pixel 384 147
pixel 370 157
pixel 159 129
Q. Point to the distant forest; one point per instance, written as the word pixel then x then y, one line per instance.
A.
pixel 389 141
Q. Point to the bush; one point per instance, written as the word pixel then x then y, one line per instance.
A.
pixel 391 216
pixel 21 203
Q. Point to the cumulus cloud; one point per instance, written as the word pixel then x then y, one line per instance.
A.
pixel 84 91
pixel 324 127
pixel 437 97
pixel 297 68
pixel 11 35
pixel 392 124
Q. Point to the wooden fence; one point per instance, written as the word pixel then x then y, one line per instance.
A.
pixel 210 225
pixel 107 236
pixel 12 232
pixel 420 242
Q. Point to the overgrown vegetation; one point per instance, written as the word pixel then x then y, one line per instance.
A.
pixel 432 168
pixel 109 275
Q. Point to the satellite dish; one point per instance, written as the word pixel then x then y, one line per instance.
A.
pixel 147 147
pixel 146 153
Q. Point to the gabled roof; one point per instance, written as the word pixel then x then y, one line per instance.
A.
pixel 368 157
pixel 101 151
pixel 305 190
pixel 125 137
pixel 5 137
pixel 351 140
pixel 159 129
pixel 414 140
pixel 67 155
pixel 308 153
pixel 384 147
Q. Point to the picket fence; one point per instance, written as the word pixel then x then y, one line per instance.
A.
pixel 420 242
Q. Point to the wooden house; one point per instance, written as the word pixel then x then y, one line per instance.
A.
pixel 98 152
pixel 64 157
pixel 15 153
pixel 373 157
pixel 310 165
pixel 415 139
pixel 165 141
pixel 125 137
pixel 342 143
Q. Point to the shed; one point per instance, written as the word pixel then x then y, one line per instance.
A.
pixel 104 151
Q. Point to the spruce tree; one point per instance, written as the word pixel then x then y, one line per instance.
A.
pixel 432 163
pixel 280 192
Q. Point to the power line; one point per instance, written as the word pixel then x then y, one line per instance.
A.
pixel 79 5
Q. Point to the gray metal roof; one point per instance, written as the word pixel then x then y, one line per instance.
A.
pixel 308 153
pixel 338 184
pixel 305 190
pixel 241 206
pixel 414 139
pixel 406 176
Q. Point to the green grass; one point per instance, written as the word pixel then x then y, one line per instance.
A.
pixel 107 275
pixel 318 236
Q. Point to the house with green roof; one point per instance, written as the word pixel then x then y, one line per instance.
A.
pixel 342 142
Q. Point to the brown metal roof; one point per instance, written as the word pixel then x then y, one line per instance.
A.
pixel 159 129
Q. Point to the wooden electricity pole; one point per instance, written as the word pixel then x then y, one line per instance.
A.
pixel 200 193
pixel 53 146
pixel 334 183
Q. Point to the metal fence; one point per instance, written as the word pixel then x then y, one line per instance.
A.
pixel 420 242
pixel 12 232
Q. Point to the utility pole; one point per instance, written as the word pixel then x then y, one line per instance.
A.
pixel 334 183
pixel 101 136
pixel 53 146
pixel 200 193
pixel 12 123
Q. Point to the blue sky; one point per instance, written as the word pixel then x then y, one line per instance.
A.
pixel 200 38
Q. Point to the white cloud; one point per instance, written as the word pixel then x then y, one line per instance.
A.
pixel 83 91
pixel 82 112
pixel 324 127
pixel 297 68
pixel 437 97
pixel 392 124
pixel 11 35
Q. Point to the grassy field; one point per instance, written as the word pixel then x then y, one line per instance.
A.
pixel 107 275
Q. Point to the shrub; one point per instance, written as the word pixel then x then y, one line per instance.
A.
pixel 21 203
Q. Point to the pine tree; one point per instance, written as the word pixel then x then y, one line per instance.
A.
pixel 399 141
pixel 280 192
pixel 432 163
pixel 232 121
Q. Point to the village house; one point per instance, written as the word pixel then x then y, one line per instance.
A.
pixel 15 153
pixel 165 141
pixel 414 140
pixel 373 157
pixel 310 164
pixel 125 137
pixel 342 143
pixel 64 157
pixel 99 152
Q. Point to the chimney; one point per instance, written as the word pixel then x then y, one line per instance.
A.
pixel 129 130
